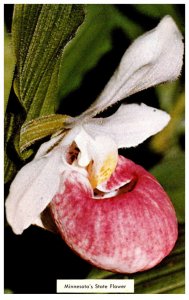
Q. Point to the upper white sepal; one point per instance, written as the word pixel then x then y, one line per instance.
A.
pixel 153 58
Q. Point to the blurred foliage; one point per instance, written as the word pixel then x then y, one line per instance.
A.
pixel 170 172
pixel 175 105
pixel 158 11
pixel 57 74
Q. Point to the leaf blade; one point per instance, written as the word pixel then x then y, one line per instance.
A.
pixel 37 89
pixel 37 54
pixel 9 66
pixel 39 128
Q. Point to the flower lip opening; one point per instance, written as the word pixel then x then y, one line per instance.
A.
pixel 99 169
pixel 72 153
pixel 126 188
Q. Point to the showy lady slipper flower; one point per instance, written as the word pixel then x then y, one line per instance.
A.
pixel 109 210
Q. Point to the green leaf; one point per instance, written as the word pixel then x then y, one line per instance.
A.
pixel 39 36
pixel 9 66
pixel 39 128
pixel 162 284
pixel 93 40
pixel 167 277
pixel 171 174
pixel 40 33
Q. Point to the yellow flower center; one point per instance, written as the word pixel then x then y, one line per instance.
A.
pixel 101 172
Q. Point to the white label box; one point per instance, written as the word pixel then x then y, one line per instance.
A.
pixel 115 286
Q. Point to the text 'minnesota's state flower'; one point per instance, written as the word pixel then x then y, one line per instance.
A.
pixel 109 210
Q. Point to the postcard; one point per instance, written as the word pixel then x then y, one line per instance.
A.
pixel 94 148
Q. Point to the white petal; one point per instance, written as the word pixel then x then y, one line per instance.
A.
pixel 153 58
pixel 98 154
pixel 32 189
pixel 130 125
pixel 83 141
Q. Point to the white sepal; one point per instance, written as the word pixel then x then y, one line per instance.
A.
pixel 32 189
pixel 153 58
pixel 130 125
